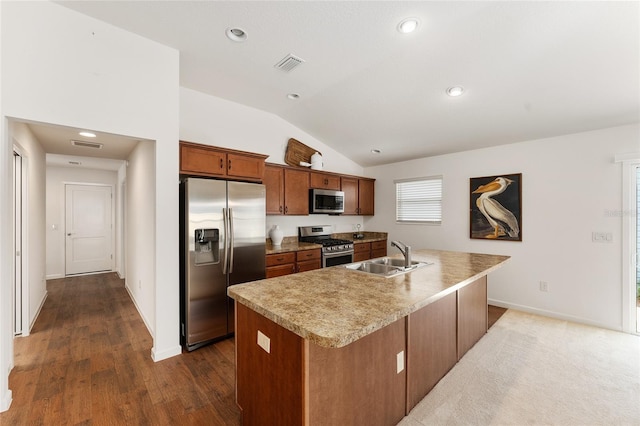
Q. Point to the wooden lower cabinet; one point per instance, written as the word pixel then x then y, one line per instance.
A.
pixel 431 347
pixel 270 387
pixel 359 383
pixel 472 314
pixel 289 263
pixel 308 260
pixel 280 264
pixel 361 251
pixel 300 383
pixel 364 251
pixel 378 249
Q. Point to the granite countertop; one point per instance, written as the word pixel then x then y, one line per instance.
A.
pixel 290 244
pixel 333 307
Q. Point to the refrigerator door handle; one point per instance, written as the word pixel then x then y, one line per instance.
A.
pixel 225 260
pixel 231 239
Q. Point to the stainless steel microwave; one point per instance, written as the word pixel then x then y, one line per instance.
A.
pixel 326 201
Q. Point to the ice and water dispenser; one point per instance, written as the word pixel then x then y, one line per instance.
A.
pixel 207 246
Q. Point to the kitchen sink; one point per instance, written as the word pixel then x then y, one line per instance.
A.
pixel 384 266
pixel 398 263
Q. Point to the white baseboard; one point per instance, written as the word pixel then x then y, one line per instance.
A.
pixel 5 401
pixel 144 319
pixel 166 353
pixel 54 276
pixel 552 314
pixel 25 333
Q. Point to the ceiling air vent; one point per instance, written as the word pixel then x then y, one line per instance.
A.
pixel 288 63
pixel 85 144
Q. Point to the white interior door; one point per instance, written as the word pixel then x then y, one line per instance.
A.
pixel 88 229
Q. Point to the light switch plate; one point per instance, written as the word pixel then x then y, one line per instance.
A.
pixel 264 342
pixel 400 362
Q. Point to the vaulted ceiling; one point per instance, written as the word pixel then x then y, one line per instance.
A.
pixel 529 69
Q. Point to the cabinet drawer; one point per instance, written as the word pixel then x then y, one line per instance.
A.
pixel 362 247
pixel 281 258
pixel 377 245
pixel 379 253
pixel 308 255
pixel 309 265
pixel 280 270
pixel 359 257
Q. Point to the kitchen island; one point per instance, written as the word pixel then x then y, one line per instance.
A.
pixel 337 346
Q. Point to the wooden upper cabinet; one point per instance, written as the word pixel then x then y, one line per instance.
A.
pixel 245 166
pixel 201 161
pixel 296 192
pixel 358 196
pixel 366 197
pixel 350 189
pixel 274 184
pixel 204 160
pixel 325 181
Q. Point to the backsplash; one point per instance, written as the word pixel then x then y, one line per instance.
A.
pixel 289 224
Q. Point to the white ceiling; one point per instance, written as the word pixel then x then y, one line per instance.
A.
pixel 530 69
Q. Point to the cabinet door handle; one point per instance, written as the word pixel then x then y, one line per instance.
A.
pixel 229 164
pixel 221 163
pixel 286 209
pixel 293 269
pixel 280 209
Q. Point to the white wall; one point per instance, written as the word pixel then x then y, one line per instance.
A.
pixel 6 227
pixel 214 121
pixel 140 237
pixel 569 184
pixel 56 179
pixel 87 74
pixel 34 159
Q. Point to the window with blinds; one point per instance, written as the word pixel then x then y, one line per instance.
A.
pixel 419 200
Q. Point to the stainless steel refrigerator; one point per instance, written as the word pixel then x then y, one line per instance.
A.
pixel 222 243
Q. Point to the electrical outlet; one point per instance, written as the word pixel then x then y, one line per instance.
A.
pixel 544 286
pixel 400 362
pixel 602 237
pixel 264 342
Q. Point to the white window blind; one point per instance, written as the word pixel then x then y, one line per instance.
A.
pixel 419 200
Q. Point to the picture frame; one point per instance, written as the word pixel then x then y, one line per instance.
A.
pixel 495 207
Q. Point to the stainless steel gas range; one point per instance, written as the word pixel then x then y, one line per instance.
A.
pixel 334 251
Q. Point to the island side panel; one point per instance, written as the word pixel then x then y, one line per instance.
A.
pixel 472 314
pixel 269 386
pixel 359 384
pixel 431 347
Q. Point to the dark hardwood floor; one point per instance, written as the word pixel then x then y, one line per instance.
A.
pixel 88 361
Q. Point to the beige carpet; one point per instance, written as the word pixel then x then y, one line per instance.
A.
pixel 533 370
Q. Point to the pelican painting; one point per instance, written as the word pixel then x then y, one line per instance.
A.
pixel 497 207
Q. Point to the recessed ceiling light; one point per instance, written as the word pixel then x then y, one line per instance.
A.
pixel 293 96
pixel 236 34
pixel 408 25
pixel 455 91
pixel 87 134
pixel 375 151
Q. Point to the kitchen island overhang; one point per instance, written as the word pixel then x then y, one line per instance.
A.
pixel 320 330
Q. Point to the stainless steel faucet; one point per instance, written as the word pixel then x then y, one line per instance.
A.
pixel 405 250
